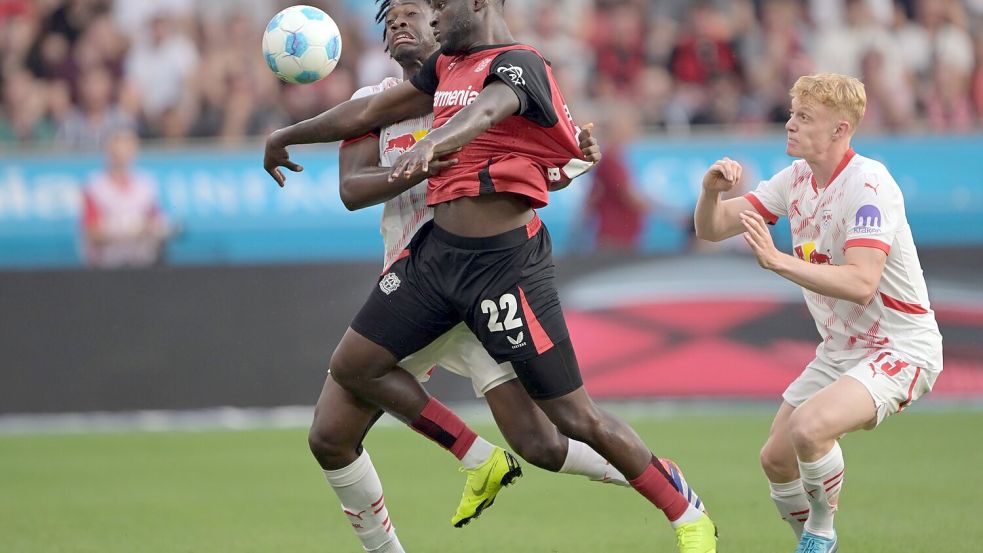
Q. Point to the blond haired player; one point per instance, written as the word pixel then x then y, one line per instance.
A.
pixel 855 259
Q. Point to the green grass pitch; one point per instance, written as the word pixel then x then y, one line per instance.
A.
pixel 914 485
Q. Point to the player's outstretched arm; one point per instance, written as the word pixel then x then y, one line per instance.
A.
pixel 364 183
pixel 716 220
pixel 347 120
pixel 496 102
pixel 856 280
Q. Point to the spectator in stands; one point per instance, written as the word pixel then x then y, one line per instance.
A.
pixel 122 222
pixel 161 67
pixel 97 116
pixel 702 56
pixel 948 99
pixel 23 118
pixel 978 74
pixel 889 107
pixel 616 208
pixel 181 68
pixel 619 47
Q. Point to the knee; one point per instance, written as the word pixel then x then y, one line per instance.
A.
pixel 545 452
pixel 343 370
pixel 778 464
pixel 330 448
pixel 806 428
pixel 583 426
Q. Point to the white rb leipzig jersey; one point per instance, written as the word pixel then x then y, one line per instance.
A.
pixel 403 215
pixel 861 207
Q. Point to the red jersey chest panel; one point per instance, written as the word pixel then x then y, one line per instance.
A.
pixel 522 154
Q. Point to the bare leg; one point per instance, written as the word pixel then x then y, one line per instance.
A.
pixel 526 428
pixel 369 371
pixel 782 469
pixel 815 426
pixel 840 408
pixel 341 421
pixel 340 424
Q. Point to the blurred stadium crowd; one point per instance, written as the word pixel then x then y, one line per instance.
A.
pixel 73 71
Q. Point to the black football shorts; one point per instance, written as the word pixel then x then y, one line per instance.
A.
pixel 501 286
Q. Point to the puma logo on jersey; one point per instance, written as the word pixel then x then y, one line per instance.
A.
pixel 872 187
pixel 794 208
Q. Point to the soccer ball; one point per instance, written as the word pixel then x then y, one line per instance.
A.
pixel 302 44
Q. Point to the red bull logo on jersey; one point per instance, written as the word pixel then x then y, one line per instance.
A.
pixel 400 144
pixel 808 252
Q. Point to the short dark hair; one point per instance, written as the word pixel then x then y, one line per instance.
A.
pixel 380 17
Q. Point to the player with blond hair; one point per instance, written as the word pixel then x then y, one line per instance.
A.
pixel 855 259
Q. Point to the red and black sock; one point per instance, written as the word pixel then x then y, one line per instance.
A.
pixel 441 425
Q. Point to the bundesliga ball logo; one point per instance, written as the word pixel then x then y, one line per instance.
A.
pixel 302 45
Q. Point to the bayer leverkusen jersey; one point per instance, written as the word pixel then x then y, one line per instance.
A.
pixel 522 154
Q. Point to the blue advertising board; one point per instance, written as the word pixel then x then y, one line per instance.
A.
pixel 229 211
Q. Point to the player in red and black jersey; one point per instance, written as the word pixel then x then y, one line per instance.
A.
pixel 486 258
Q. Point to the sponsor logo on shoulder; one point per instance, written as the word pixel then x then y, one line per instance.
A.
pixel 389 283
pixel 514 74
pixel 868 220
pixel 483 65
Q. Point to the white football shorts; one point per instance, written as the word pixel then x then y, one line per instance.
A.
pixel 893 380
pixel 460 352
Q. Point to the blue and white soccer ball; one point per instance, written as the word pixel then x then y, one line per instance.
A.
pixel 302 44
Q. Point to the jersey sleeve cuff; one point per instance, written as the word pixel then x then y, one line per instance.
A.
pixel 867 243
pixel 770 217
pixel 359 139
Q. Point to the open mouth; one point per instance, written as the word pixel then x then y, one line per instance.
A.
pixel 403 38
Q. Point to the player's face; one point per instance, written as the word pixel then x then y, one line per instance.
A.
pixel 810 129
pixel 409 36
pixel 453 25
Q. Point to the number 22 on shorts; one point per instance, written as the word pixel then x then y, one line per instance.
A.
pixel 510 305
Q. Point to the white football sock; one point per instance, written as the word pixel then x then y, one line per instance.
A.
pixel 692 514
pixel 360 492
pixel 792 503
pixel 822 481
pixel 478 453
pixel 583 460
pixel 393 546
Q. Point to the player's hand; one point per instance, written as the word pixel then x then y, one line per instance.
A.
pixel 758 237
pixel 722 175
pixel 275 156
pixel 438 165
pixel 415 160
pixel 588 144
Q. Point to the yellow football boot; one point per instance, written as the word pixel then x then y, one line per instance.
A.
pixel 484 483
